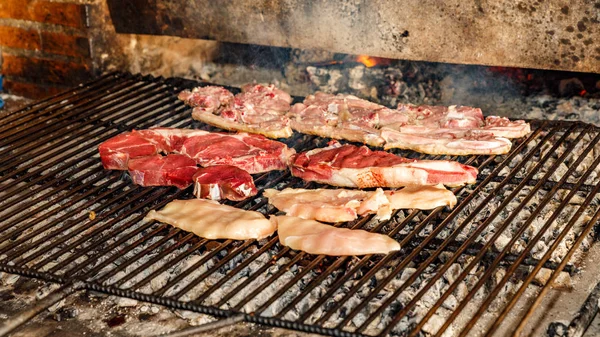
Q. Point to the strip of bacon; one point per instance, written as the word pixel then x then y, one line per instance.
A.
pixel 211 220
pixel 338 205
pixel 359 167
pixel 223 182
pixel 317 238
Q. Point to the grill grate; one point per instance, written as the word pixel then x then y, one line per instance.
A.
pixel 65 219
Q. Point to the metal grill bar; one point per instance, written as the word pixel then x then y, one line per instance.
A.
pixel 50 167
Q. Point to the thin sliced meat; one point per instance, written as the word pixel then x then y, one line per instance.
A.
pixel 223 182
pixel 359 167
pixel 257 109
pixel 445 141
pixel 116 152
pixel 250 152
pixel 459 118
pixel 211 220
pixel 503 127
pixel 209 98
pixel 317 238
pixel 171 170
pixel 338 205
pixel 338 117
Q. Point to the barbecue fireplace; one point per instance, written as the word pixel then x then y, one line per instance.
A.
pixel 514 256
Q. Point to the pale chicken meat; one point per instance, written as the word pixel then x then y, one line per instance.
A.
pixel 338 205
pixel 211 220
pixel 317 238
pixel 360 167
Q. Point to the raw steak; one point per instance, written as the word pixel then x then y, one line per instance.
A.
pixel 250 152
pixel 116 152
pixel 223 182
pixel 171 170
pixel 352 166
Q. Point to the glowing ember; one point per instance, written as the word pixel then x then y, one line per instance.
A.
pixel 370 61
pixel 367 60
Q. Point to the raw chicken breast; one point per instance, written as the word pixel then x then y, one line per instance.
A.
pixel 211 220
pixel 337 205
pixel 317 238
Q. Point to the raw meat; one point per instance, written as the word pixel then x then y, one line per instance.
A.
pixel 456 130
pixel 445 141
pixel 317 238
pixel 209 98
pixel 503 127
pixel 352 166
pixel 252 153
pixel 171 170
pixel 223 182
pixel 339 117
pixel 338 205
pixel 211 220
pixel 116 152
pixel 257 109
pixel 169 140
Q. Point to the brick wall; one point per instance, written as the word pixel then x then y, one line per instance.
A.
pixel 45 46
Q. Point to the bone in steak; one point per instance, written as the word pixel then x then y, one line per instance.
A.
pixel 250 152
pixel 257 109
pixel 223 182
pixel 352 166
pixel 338 205
pixel 314 237
pixel 211 220
pixel 116 152
pixel 171 170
